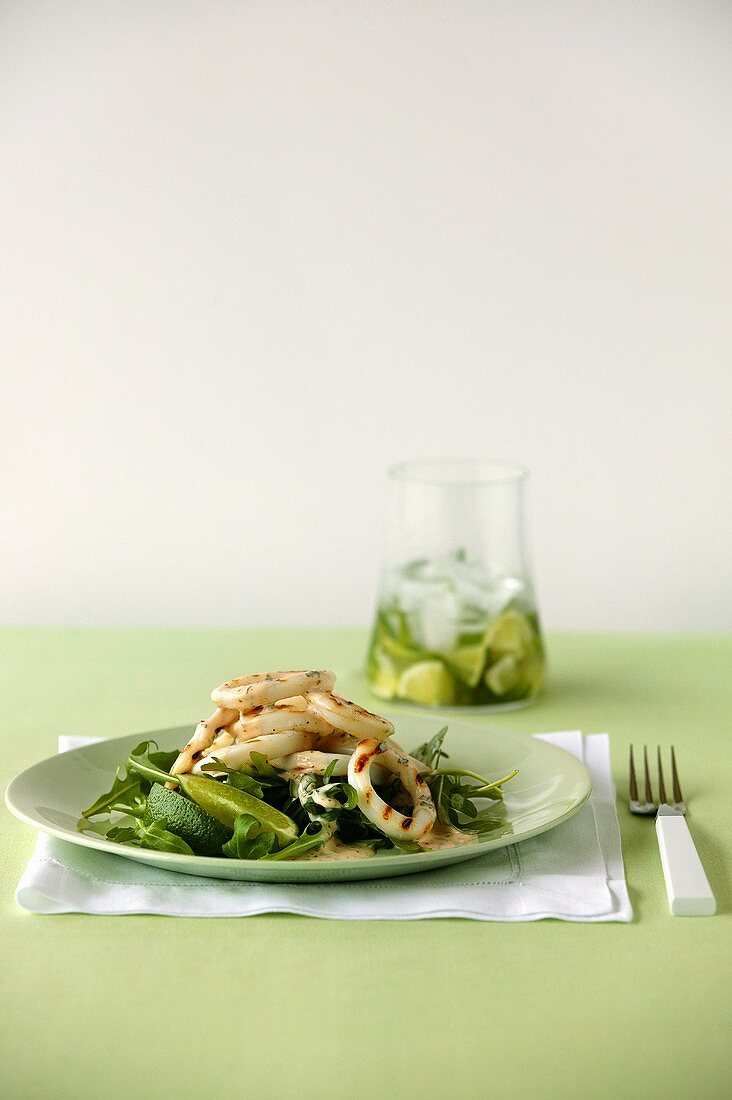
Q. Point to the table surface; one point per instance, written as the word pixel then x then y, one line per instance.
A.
pixel 284 1006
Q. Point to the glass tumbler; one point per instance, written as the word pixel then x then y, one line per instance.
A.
pixel 456 621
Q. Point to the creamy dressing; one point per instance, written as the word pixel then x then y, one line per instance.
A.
pixel 440 836
pixel 445 836
pixel 336 849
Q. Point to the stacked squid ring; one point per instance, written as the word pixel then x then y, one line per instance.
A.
pixel 297 722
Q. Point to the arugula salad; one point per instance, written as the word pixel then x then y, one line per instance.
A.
pixel 286 769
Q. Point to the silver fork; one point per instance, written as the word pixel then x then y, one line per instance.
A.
pixel 687 886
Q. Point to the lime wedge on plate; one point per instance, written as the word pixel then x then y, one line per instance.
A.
pixel 226 803
pixel 428 683
pixel 204 833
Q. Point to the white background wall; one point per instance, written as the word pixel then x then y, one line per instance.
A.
pixel 254 252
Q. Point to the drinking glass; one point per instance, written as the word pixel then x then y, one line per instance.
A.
pixel 456 621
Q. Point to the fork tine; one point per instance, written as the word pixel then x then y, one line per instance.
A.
pixel 647 777
pixel 678 797
pixel 661 786
pixel 632 782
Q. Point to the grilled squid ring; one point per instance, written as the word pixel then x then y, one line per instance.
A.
pixel 345 743
pixel 336 741
pixel 204 734
pixel 350 717
pixel 270 746
pixel 264 688
pixel 388 820
pixel 260 722
pixel 223 739
pixel 297 702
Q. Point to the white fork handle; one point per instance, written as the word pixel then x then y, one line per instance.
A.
pixel 687 886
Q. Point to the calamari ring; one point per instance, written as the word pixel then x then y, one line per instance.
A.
pixel 317 761
pixel 204 734
pixel 264 688
pixel 224 738
pixel 388 820
pixel 297 702
pixel 340 742
pixel 349 717
pixel 262 721
pixel 271 746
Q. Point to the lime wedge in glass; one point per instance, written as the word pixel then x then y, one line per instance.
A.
pixel 400 654
pixel 428 683
pixel 393 623
pixel 533 672
pixel 384 678
pixel 504 675
pixel 511 633
pixel 467 663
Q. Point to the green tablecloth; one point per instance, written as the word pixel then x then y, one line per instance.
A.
pixel 279 1007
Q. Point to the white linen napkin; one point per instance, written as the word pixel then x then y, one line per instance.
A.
pixel 574 872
